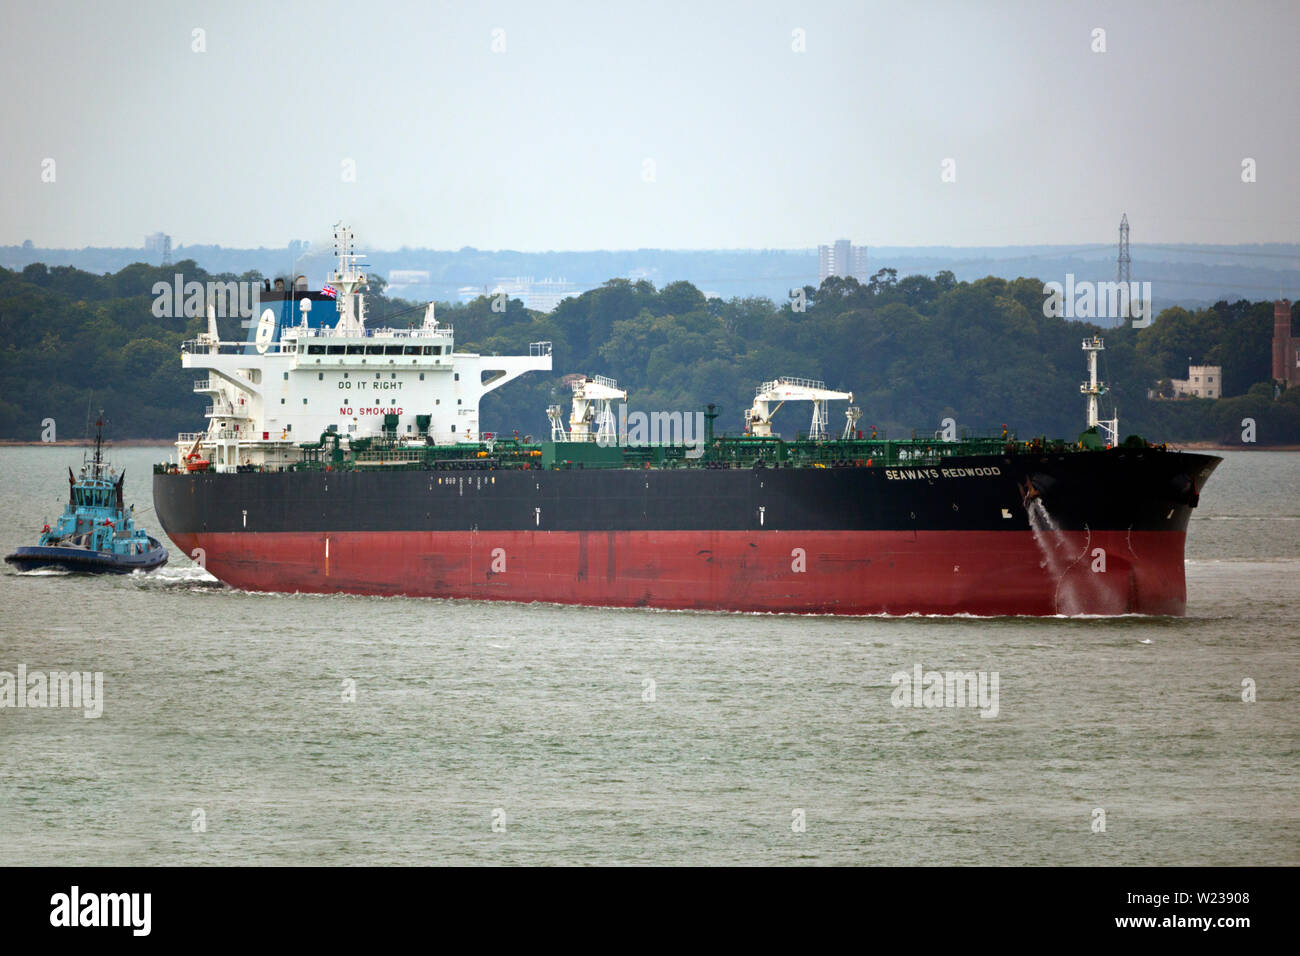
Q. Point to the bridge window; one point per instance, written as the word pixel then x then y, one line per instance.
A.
pixel 412 350
pixel 356 350
pixel 315 350
pixel 334 350
pixel 374 350
pixel 392 350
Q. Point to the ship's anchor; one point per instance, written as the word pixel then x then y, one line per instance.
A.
pixel 1028 492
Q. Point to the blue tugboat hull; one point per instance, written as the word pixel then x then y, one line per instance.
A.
pixel 97 533
pixel 85 561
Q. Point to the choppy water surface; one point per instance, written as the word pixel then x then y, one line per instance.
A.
pixel 227 709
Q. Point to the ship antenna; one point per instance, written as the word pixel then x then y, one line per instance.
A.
pixel 1093 389
pixel 89 398
pixel 347 279
pixel 99 444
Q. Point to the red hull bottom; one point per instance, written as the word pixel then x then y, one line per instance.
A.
pixel 884 572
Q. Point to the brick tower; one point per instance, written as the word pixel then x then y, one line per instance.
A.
pixel 1284 346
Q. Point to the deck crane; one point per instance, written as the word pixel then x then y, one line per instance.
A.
pixel 593 418
pixel 758 419
pixel 554 413
pixel 852 416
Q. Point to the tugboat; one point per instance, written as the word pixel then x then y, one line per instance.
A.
pixel 96 534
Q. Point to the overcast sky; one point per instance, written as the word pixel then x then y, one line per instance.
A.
pixel 643 124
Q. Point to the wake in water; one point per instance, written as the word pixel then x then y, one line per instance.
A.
pixel 188 577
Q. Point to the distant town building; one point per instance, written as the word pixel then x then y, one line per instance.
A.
pixel 400 280
pixel 1286 350
pixel 545 295
pixel 159 244
pixel 842 259
pixel 1203 381
pixel 539 295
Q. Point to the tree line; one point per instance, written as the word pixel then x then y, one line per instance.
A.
pixel 913 351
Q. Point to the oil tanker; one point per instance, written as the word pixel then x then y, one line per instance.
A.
pixel 344 458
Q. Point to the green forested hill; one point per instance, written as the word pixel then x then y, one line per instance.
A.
pixel 913 351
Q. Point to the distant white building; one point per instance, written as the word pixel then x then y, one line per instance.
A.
pixel 1203 381
pixel 843 259
pixel 545 295
pixel 538 295
pixel 401 279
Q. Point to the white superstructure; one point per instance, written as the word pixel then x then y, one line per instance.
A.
pixel 292 382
